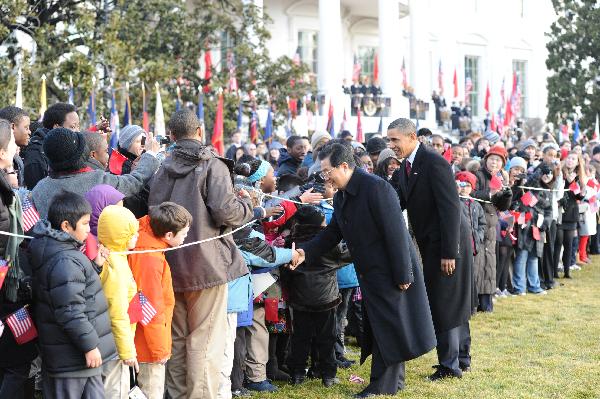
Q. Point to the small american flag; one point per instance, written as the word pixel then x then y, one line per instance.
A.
pixel 30 214
pixel 147 309
pixel 21 326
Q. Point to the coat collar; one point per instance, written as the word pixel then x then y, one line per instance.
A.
pixel 407 184
pixel 354 182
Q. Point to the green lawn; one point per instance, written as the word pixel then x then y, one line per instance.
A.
pixel 529 347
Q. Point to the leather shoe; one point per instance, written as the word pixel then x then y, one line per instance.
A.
pixel 329 382
pixel 444 372
pixel 364 394
pixel 297 379
pixel 465 368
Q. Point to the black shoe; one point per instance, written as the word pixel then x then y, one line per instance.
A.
pixel 364 394
pixel 444 372
pixel 343 365
pixel 297 379
pixel 464 367
pixel 241 393
pixel 345 359
pixel 313 374
pixel 567 276
pixel 278 375
pixel 329 382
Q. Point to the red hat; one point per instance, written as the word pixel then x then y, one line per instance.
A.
pixel 499 151
pixel 563 153
pixel 467 177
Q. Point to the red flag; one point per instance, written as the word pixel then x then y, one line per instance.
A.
pixel 376 68
pixel 207 70
pixel 359 130
pixel 271 309
pixel 529 199
pixel 3 271
pixel 217 137
pixel 508 115
pixel 116 162
pixel 486 104
pixel 536 233
pixel 22 327
pixel 455 82
pixel 529 215
pixel 140 310
pixel 592 184
pixel 493 122
pixel 495 183
pixel 293 106
pixel 404 80
pixel 145 116
pixel 253 128
pixel 448 154
pixel 574 187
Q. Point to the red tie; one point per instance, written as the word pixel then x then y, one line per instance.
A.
pixel 408 168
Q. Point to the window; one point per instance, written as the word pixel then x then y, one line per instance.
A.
pixel 227 45
pixel 307 49
pixel 520 69
pixel 366 59
pixel 472 83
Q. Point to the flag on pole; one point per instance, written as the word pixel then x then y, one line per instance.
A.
pixel 356 70
pixel 159 115
pixel 217 137
pixel 127 119
pixel 330 122
pixel 404 79
pixel 30 215
pixel 576 131
pixel 140 310
pixel 207 70
pixel 440 78
pixel 43 101
pixel 145 116
pixel 71 99
pixel 114 121
pixel 3 271
pixel 21 325
pixel 19 94
pixel 240 115
pixel 200 109
pixel 178 100
pixel 359 130
pixel 596 130
pixel 268 127
pixel 455 83
pixel 376 68
pixel 515 96
pixel 508 115
pixel 233 85
pixel 253 129
pixel 486 104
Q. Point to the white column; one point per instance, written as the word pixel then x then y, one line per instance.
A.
pixel 420 67
pixel 390 53
pixel 330 48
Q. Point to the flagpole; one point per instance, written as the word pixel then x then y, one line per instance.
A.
pixel 19 94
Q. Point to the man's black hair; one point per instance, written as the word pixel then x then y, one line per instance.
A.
pixel 424 132
pixel 309 215
pixel 93 140
pixel 292 140
pixel 67 206
pixel 287 182
pixel 12 114
pixel 338 154
pixel 56 114
pixel 183 124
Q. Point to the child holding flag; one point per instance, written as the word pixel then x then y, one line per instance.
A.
pixel 166 225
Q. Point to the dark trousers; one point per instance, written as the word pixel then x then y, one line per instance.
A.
pixel 464 349
pixel 385 380
pixel 547 263
pixel 340 315
pixel 595 242
pixel 574 248
pixel 485 303
pixel 73 388
pixel 449 345
pixel 355 318
pixel 13 379
pixel 502 269
pixel 321 326
pixel 565 239
pixel 239 357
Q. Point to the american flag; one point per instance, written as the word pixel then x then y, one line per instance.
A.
pixel 21 326
pixel 30 214
pixel 468 89
pixel 148 310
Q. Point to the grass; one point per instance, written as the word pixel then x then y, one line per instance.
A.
pixel 529 347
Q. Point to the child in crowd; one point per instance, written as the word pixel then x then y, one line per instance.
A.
pixel 99 198
pixel 118 231
pixel 166 226
pixel 71 311
pixel 313 296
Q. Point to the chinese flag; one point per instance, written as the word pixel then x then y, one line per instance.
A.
pixel 376 69
pixel 486 104
pixel 575 188
pixel 359 130
pixel 207 70
pixel 495 183
pixel 115 164
pixel 529 199
pixel 217 137
pixel 135 310
pixel 3 271
pixel 536 233
pixel 455 82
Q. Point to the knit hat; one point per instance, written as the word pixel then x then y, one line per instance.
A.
pixel 527 143
pixel 309 215
pixel 65 150
pixel 499 151
pixel 318 136
pixel 385 154
pixel 596 150
pixel 467 177
pixel 128 134
pixel 376 145
pixel 517 162
pixel 492 137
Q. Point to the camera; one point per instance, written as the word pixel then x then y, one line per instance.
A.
pixel 163 140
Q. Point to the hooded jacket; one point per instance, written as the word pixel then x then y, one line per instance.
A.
pixel 153 277
pixel 34 159
pixel 99 198
pixel 287 165
pixel 116 227
pixel 195 178
pixel 71 312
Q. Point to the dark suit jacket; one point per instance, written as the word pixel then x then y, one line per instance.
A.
pixel 431 200
pixel 367 215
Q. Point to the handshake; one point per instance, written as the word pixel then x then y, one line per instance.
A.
pixel 298 257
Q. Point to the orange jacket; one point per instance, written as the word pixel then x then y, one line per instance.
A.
pixel 153 277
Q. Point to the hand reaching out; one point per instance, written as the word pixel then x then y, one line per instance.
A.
pixel 274 211
pixel 297 257
pixel 308 197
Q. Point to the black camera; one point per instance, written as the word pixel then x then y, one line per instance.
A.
pixel 163 140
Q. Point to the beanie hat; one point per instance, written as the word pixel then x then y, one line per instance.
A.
pixel 385 154
pixel 65 150
pixel 376 145
pixel 527 143
pixel 128 134
pixel 596 150
pixel 517 162
pixel 492 137
pixel 309 215
pixel 499 151
pixel 467 177
pixel 318 136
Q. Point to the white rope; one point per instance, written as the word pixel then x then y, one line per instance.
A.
pixel 475 199
pixel 6 233
pixel 544 189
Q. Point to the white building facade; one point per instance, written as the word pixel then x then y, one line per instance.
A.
pixel 486 41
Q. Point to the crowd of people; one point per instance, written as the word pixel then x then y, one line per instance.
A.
pixel 170 270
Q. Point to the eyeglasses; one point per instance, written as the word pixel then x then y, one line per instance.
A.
pixel 325 173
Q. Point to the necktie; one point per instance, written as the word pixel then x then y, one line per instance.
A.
pixel 408 168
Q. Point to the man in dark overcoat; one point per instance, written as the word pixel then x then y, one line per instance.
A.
pixel 427 190
pixel 398 325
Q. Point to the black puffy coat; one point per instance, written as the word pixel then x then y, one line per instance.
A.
pixel 34 159
pixel 570 216
pixel 71 312
pixel 312 287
